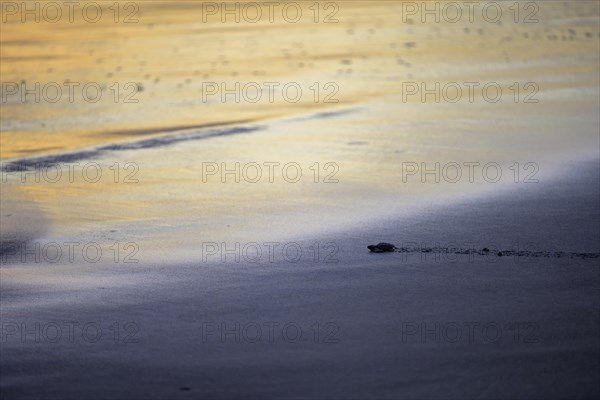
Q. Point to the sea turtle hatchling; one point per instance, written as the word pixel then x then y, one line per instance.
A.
pixel 382 248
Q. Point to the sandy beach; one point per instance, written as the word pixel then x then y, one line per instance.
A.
pixel 192 246
pixel 390 326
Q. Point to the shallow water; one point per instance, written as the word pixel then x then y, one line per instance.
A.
pixel 112 212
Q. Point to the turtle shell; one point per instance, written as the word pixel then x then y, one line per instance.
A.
pixel 382 247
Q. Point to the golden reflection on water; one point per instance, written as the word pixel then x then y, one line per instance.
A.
pixel 368 54
pixel 170 52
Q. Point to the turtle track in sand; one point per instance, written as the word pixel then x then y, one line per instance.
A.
pixel 496 253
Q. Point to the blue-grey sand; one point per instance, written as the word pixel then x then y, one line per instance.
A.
pixel 192 295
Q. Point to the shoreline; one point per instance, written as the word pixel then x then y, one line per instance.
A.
pixel 196 225
pixel 370 310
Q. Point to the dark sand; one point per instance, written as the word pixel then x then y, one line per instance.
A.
pixel 535 322
pixel 370 308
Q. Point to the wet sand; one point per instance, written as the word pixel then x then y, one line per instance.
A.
pixel 169 55
pixel 533 321
pixel 361 314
